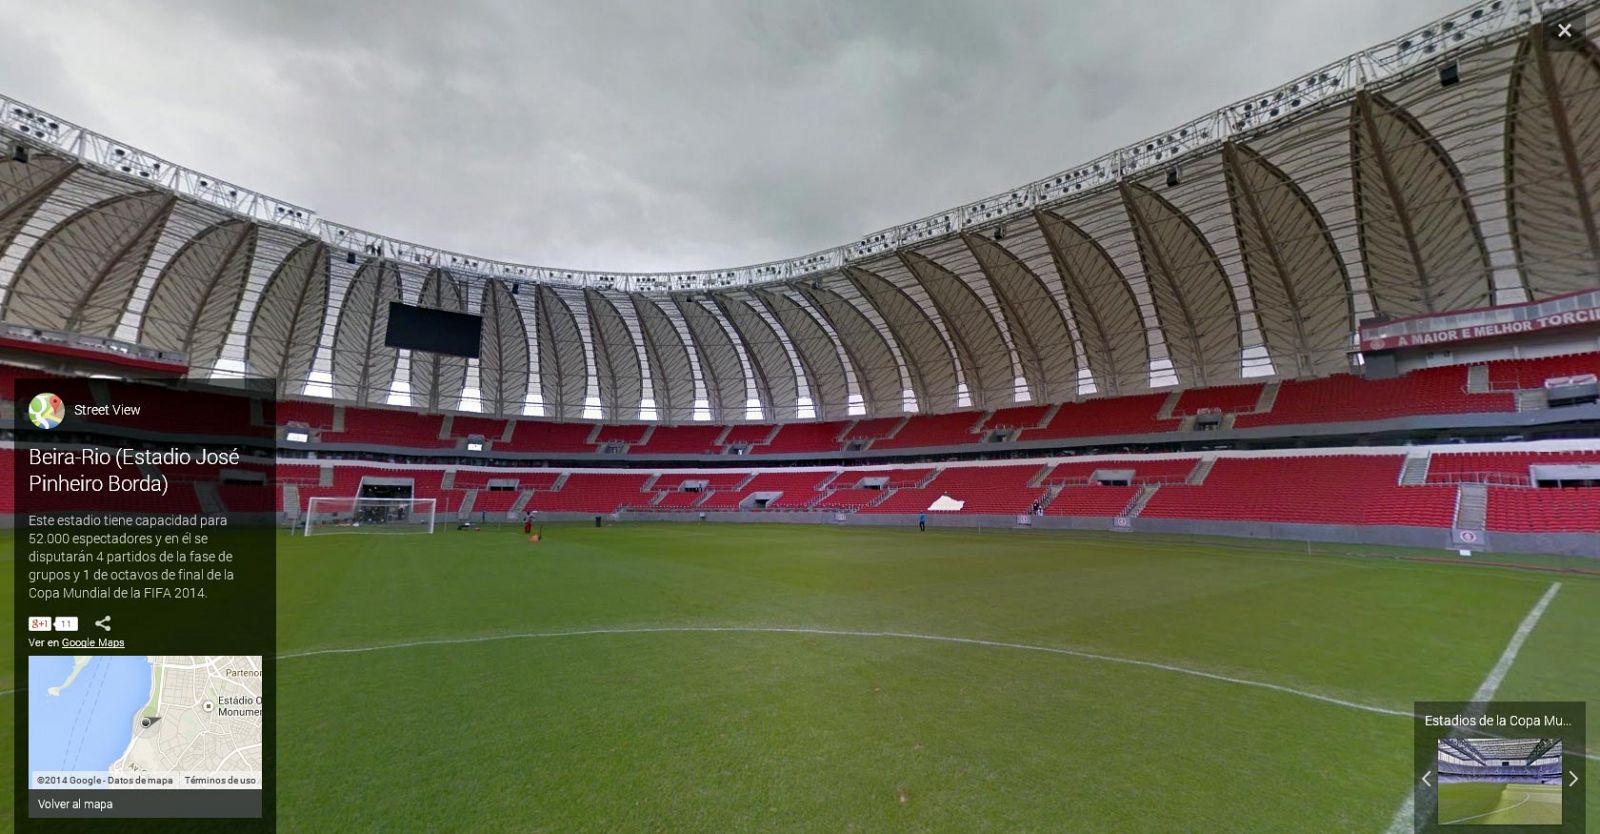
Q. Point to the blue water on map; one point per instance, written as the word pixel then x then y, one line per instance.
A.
pixel 87 726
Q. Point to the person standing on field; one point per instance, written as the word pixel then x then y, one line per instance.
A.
pixel 922 520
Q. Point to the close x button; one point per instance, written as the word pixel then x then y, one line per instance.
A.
pixel 1565 32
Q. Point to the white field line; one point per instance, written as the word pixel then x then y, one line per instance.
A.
pixel 934 638
pixel 1401 822
pixel 1487 813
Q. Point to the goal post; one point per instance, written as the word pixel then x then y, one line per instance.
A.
pixel 369 515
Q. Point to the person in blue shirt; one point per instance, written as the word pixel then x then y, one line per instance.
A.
pixel 922 520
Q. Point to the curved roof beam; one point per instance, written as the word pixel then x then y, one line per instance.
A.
pixel 972 327
pixel 1115 345
pixel 81 273
pixel 282 339
pixel 823 360
pixel 1552 140
pixel 437 379
pixel 617 367
pixel 1406 184
pixel 673 371
pixel 1301 290
pixel 1199 314
pixel 929 358
pixel 777 385
pixel 193 301
pixel 721 368
pixel 563 366
pixel 503 360
pixel 878 371
pixel 363 366
pixel 24 187
pixel 1038 329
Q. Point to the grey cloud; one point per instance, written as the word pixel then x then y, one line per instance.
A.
pixel 648 136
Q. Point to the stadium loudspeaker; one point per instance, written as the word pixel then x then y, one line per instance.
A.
pixel 1450 75
pixel 19 152
pixel 350 257
pixel 1172 177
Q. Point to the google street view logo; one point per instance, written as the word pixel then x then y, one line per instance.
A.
pixel 46 410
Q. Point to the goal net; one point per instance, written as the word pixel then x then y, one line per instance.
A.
pixel 369 515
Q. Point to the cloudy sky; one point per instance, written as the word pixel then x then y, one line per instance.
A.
pixel 655 135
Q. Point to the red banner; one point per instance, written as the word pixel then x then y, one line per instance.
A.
pixel 1372 340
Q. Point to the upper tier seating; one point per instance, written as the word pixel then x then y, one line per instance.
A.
pixel 313 415
pixel 530 436
pixel 490 428
pixel 1108 416
pixel 1531 373
pixel 795 438
pixel 748 433
pixel 1227 398
pixel 397 428
pixel 682 440
pixel 1327 489
pixel 1345 398
pixel 1016 417
pixel 620 433
pixel 872 429
pixel 933 430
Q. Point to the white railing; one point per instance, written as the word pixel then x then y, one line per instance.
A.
pixel 1386 63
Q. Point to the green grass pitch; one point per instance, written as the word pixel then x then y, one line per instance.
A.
pixel 1150 720
pixel 1489 803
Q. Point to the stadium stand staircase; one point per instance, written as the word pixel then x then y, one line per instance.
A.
pixel 1137 504
pixel 561 481
pixel 521 504
pixel 325 476
pixel 291 500
pixel 446 425
pixel 449 479
pixel 650 483
pixel 1478 379
pixel 1198 474
pixel 1415 470
pixel 1269 395
pixel 1167 405
pixel 1040 476
pixel 465 507
pixel 1532 399
pixel 1472 506
pixel 338 420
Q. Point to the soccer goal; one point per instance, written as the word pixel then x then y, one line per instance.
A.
pixel 369 515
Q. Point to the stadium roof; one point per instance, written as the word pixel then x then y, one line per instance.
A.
pixel 1450 168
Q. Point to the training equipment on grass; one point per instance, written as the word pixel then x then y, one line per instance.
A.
pixel 369 515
